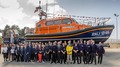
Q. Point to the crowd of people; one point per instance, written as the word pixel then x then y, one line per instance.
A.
pixel 67 52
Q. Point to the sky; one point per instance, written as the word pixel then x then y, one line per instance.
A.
pixel 21 12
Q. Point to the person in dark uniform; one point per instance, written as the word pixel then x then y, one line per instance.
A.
pixel 9 51
pixel 33 52
pixel 29 51
pixel 81 54
pixel 88 52
pixel 17 52
pixel 54 51
pixel 93 52
pixel 36 53
pixel 22 52
pixel 63 52
pixel 100 52
pixel 50 52
pixel 43 53
pixel 47 50
pixel 25 53
pixel 59 56
pixel 85 44
pixel 75 50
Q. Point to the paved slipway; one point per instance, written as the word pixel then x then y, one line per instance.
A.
pixel 111 59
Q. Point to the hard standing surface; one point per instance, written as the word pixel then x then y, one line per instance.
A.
pixel 111 59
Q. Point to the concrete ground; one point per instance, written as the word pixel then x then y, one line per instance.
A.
pixel 111 59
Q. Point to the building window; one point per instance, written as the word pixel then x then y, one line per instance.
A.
pixel 57 22
pixel 67 21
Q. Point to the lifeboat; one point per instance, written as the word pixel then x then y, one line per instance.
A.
pixel 64 28
pixel 67 28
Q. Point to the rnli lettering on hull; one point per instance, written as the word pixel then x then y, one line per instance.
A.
pixel 100 33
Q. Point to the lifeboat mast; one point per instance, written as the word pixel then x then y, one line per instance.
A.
pixel 41 13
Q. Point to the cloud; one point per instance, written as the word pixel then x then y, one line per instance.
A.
pixel 21 12
pixel 10 14
pixel 2 6
pixel 2 23
pixel 9 3
pixel 52 6
pixel 28 8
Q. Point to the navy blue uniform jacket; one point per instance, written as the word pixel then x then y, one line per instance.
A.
pixel 100 50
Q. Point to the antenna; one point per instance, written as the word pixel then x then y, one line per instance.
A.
pixel 39 9
pixel 54 9
pixel 41 12
pixel 39 3
pixel 46 7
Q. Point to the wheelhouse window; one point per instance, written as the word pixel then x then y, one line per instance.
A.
pixel 39 25
pixel 75 20
pixel 66 21
pixel 49 23
pixel 57 22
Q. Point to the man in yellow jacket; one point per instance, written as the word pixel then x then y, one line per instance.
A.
pixel 69 50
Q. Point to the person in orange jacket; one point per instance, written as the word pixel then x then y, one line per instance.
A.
pixel 69 50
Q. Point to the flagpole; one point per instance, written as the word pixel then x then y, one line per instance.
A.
pixel 46 7
pixel 39 10
pixel 54 9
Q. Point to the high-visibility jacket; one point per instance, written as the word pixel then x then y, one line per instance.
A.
pixel 69 49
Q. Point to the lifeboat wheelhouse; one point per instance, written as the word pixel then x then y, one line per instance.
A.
pixel 58 25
